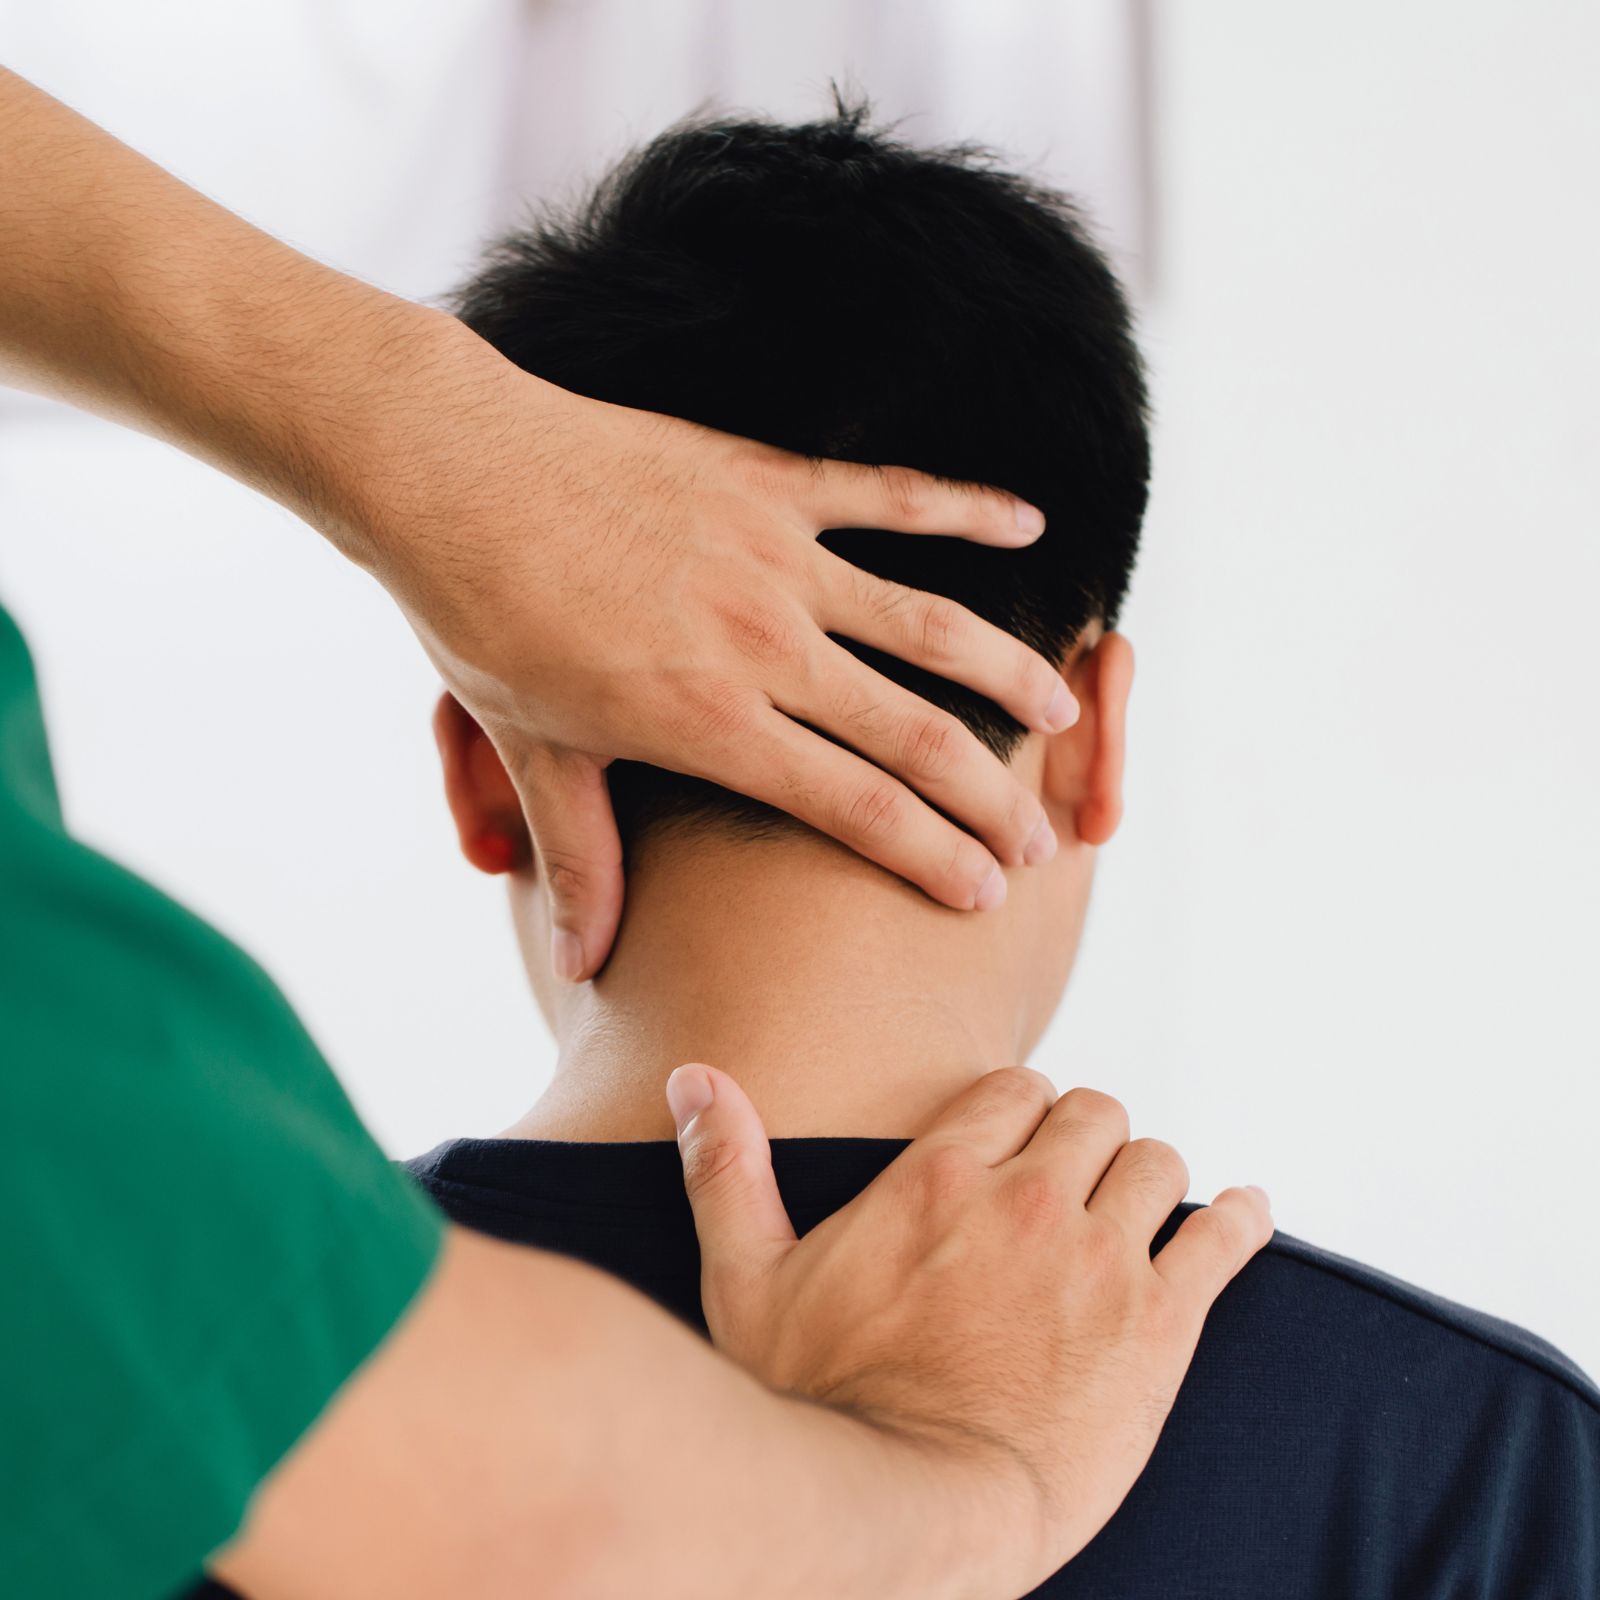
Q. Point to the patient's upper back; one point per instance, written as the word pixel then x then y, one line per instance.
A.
pixel 1340 1433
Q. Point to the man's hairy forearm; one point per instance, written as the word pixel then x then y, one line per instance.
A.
pixel 534 1428
pixel 127 293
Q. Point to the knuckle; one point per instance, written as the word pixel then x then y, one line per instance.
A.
pixel 882 599
pixel 929 746
pixel 859 714
pixel 708 1162
pixel 716 714
pixel 1037 1200
pixel 948 1172
pixel 1018 1087
pixel 934 625
pixel 1090 1105
pixel 758 631
pixel 779 557
pixel 906 492
pixel 566 877
pixel 767 473
pixel 871 812
pixel 1155 1166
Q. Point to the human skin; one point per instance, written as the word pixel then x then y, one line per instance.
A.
pixel 849 1005
pixel 593 582
pixel 531 1427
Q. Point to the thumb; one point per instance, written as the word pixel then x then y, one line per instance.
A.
pixel 568 808
pixel 727 1171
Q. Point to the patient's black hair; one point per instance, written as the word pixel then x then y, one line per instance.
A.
pixel 832 290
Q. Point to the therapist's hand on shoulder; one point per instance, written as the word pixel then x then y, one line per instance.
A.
pixel 957 1378
pixel 596 583
pixel 992 1294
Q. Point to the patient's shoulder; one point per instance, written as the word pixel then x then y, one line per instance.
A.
pixel 1369 1303
pixel 1338 1420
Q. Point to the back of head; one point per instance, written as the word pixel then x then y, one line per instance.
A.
pixel 830 290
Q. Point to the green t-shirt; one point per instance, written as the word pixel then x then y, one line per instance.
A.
pixel 199 1242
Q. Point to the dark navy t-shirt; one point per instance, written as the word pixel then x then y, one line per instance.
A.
pixel 1340 1434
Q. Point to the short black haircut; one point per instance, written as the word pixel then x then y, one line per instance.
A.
pixel 832 290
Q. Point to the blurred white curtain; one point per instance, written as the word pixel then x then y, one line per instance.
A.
pixel 389 136
pixel 1059 87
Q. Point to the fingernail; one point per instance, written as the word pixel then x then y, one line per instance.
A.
pixel 566 955
pixel 689 1092
pixel 1030 520
pixel 1041 845
pixel 991 892
pixel 1062 711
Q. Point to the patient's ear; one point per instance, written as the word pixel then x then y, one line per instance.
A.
pixel 479 792
pixel 1083 766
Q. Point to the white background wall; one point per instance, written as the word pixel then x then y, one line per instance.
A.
pixel 1345 945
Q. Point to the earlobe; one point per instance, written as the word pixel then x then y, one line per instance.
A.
pixel 1100 811
pixel 1083 766
pixel 483 802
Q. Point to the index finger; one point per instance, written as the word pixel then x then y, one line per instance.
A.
pixel 899 500
pixel 937 634
pixel 789 766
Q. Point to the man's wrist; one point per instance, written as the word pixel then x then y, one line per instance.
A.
pixel 425 399
pixel 352 468
pixel 973 1513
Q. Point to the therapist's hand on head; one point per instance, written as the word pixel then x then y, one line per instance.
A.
pixel 593 582
pixel 596 583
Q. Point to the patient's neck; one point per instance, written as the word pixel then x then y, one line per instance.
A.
pixel 844 1001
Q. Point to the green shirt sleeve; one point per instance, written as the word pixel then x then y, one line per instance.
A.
pixel 199 1242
